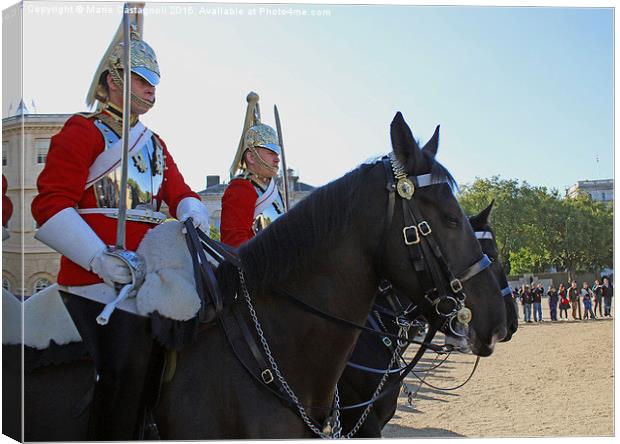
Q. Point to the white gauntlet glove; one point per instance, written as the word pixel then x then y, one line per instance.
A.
pixel 111 269
pixel 194 208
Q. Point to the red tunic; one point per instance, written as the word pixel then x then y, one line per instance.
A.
pixel 7 205
pixel 61 185
pixel 238 204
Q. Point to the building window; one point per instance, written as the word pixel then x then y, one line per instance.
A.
pixel 40 284
pixel 42 146
pixel 6 284
pixel 5 156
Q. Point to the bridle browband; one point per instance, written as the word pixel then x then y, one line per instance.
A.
pixel 488 236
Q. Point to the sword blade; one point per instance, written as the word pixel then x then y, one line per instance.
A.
pixel 122 203
pixel 284 168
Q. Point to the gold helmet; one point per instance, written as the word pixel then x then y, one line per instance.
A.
pixel 143 60
pixel 262 136
pixel 254 135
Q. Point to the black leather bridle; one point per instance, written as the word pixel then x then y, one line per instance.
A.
pixel 442 289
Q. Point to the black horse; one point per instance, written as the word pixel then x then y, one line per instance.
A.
pixel 330 252
pixel 358 384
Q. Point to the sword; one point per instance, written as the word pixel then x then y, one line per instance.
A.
pixel 284 169
pixel 135 262
pixel 122 204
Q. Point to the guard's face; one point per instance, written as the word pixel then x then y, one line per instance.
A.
pixel 143 89
pixel 139 87
pixel 269 157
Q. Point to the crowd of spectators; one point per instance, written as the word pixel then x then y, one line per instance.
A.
pixel 583 302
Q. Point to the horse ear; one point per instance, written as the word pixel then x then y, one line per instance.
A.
pixel 481 220
pixel 484 216
pixel 432 145
pixel 404 145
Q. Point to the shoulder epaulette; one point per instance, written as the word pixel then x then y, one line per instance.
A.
pixel 88 115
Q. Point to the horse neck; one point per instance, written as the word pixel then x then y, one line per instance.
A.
pixel 311 350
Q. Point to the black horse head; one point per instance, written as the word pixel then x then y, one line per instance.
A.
pixel 453 235
pixel 484 232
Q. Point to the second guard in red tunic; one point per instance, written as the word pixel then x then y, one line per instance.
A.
pixel 252 199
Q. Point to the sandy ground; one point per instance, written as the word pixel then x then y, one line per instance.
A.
pixel 551 379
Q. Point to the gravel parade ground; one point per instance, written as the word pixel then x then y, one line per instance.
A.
pixel 551 379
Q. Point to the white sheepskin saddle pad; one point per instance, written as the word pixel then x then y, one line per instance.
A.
pixel 45 319
pixel 169 286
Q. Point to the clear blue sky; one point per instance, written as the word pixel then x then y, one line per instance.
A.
pixel 523 93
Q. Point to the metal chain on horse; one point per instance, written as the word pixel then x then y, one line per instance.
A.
pixel 272 362
pixel 336 429
pixel 376 393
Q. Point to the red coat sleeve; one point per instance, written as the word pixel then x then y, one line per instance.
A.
pixel 7 205
pixel 175 189
pixel 61 183
pixel 238 204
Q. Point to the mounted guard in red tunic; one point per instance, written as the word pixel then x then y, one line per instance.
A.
pixel 252 199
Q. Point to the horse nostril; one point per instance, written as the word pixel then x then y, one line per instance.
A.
pixel 500 332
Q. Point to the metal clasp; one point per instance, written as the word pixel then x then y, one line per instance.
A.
pixel 403 323
pixel 456 285
pixel 385 286
pixel 425 228
pixel 267 376
pixel 387 341
pixel 417 236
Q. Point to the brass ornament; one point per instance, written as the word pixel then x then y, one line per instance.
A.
pixel 464 315
pixel 139 162
pixel 159 162
pixel 405 188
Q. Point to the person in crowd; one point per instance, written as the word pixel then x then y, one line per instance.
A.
pixel 586 297
pixel 537 293
pixel 515 299
pixel 598 298
pixel 573 297
pixel 564 302
pixel 552 294
pixel 526 301
pixel 608 293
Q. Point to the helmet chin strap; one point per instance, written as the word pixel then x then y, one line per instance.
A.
pixel 261 162
pixel 118 81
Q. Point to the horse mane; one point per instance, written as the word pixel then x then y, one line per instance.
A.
pixel 298 239
pixel 309 229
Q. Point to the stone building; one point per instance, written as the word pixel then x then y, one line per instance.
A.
pixel 25 142
pixel 599 190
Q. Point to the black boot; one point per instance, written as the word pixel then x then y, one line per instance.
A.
pixel 121 351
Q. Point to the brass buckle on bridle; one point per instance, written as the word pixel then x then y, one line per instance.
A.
pixel 424 228
pixel 456 285
pixel 414 228
pixel 267 376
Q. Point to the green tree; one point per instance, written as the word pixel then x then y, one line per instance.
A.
pixel 536 228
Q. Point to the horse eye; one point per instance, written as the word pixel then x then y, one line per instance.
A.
pixel 452 220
